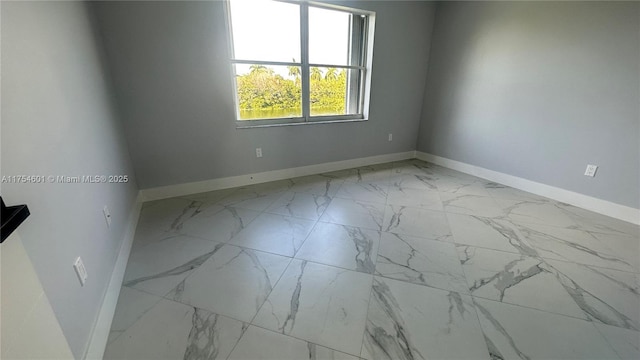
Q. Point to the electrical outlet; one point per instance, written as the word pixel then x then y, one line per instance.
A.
pixel 259 152
pixel 107 215
pixel 591 170
pixel 78 266
pixel 390 136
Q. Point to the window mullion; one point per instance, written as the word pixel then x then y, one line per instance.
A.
pixel 355 59
pixel 304 46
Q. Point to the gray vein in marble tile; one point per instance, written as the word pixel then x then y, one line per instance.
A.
pixel 203 341
pixel 418 276
pixel 289 204
pixel 312 350
pixel 509 234
pixel 467 196
pixel 377 189
pixel 177 224
pixel 322 202
pixel 459 187
pixel 620 283
pixel 373 212
pixel 256 265
pixel 395 218
pixel 363 246
pixel 574 246
pixel 327 185
pixel 505 279
pixel 494 353
pixel 580 296
pixel 598 227
pixel 178 290
pixel 192 264
pixel 240 222
pixel 398 344
pixel 467 254
pixel 519 203
pixel 425 180
pixel 455 303
pixel 295 301
pixel 496 324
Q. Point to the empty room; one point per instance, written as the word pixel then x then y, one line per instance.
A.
pixel 293 179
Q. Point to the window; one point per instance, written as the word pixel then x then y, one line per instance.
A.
pixel 299 62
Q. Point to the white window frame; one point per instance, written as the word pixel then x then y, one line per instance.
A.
pixel 362 87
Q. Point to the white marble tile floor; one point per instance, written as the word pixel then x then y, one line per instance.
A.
pixel 404 260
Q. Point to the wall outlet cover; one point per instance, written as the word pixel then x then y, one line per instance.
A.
pixel 78 266
pixel 591 170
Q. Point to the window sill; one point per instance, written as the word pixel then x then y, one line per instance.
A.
pixel 240 124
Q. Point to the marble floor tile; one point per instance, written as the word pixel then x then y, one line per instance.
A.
pixel 514 332
pixel 465 204
pixel 276 234
pixel 165 218
pixel 626 343
pixel 159 219
pixel 491 233
pixel 233 282
pixel 320 304
pixel 407 321
pixel 426 199
pixel 364 192
pixel 301 205
pixel 375 174
pixel 499 191
pixel 413 181
pixel 403 260
pixel 462 187
pixel 457 176
pixel 253 197
pixel 217 223
pixel 258 343
pixel 209 197
pixel 606 296
pixel 428 224
pixel 159 267
pixel 536 212
pixel 175 331
pixel 420 261
pixel 132 304
pixel 599 224
pixel 339 174
pixel 416 168
pixel 626 248
pixel 573 245
pixel 456 182
pixel 316 184
pixel 354 213
pixel 516 279
pixel 342 246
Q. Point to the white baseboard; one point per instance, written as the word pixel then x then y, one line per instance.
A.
pixel 164 192
pixel 102 327
pixel 600 206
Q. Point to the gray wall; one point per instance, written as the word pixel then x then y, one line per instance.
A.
pixel 58 119
pixel 173 79
pixel 539 90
